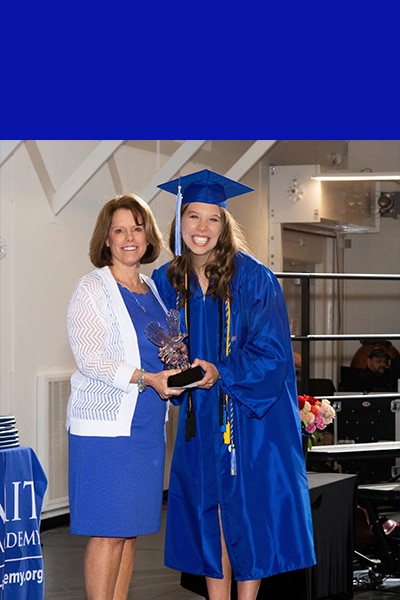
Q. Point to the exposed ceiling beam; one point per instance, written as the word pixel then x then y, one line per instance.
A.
pixel 86 170
pixel 41 169
pixel 170 168
pixel 7 148
pixel 249 159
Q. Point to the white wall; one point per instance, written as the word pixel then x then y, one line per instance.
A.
pixel 47 254
pixel 374 307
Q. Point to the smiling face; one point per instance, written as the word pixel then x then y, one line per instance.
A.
pixel 201 228
pixel 126 239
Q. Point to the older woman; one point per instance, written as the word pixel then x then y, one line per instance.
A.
pixel 116 412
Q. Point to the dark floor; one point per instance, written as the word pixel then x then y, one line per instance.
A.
pixel 63 559
pixel 389 590
pixel 63 568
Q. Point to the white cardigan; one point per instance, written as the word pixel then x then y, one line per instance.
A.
pixel 104 344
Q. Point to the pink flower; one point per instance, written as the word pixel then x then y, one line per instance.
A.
pixel 315 414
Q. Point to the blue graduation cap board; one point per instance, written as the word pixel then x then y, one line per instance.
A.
pixel 203 186
pixel 206 186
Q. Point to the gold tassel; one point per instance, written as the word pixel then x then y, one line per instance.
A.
pixel 227 434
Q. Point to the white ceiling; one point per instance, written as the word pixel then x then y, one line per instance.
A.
pixel 64 167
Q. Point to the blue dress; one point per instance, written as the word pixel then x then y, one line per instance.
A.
pixel 265 506
pixel 117 491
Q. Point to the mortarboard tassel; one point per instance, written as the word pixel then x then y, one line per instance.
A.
pixel 178 236
pixel 233 461
pixel 190 423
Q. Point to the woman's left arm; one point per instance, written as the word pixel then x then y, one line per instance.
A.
pixel 260 361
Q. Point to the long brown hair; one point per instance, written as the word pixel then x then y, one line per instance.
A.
pixel 221 268
pixel 99 252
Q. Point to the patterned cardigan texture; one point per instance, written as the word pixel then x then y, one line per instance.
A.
pixel 104 343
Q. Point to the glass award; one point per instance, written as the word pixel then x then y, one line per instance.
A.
pixel 173 351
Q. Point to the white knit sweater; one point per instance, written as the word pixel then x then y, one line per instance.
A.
pixel 104 344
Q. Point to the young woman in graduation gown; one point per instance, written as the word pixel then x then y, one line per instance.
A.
pixel 238 500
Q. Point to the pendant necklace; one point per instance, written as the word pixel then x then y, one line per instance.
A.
pixel 144 309
pixel 134 296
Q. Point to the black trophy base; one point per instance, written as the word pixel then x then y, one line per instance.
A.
pixel 187 378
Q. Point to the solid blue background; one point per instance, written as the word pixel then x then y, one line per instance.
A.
pixel 217 72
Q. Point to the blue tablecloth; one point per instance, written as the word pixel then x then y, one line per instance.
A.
pixel 22 487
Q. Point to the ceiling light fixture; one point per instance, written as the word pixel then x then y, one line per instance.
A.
pixel 358 176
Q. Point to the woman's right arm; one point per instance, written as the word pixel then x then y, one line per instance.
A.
pixel 91 331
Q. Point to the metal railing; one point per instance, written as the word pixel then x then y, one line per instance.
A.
pixel 306 337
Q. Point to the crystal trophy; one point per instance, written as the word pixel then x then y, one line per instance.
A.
pixel 173 351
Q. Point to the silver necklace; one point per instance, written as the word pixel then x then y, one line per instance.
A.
pixel 134 296
pixel 144 309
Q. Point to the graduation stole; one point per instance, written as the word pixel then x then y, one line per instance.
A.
pixel 225 404
pixel 190 422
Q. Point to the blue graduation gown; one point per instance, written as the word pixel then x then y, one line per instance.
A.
pixel 265 507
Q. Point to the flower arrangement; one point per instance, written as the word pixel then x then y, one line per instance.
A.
pixel 315 414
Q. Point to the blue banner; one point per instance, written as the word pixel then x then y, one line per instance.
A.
pixel 22 487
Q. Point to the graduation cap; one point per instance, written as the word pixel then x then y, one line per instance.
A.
pixel 203 186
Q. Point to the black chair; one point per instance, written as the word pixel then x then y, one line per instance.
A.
pixel 347 376
pixel 321 387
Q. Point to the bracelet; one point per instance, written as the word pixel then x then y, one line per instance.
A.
pixel 140 382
